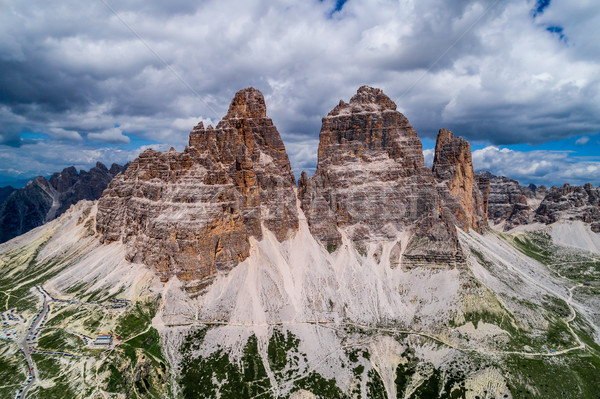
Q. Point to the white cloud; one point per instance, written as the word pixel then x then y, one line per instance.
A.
pixel 538 167
pixel 112 136
pixel 303 156
pixel 40 158
pixel 582 140
pixel 59 133
pixel 428 154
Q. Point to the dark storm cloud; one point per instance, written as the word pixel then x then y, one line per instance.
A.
pixel 75 72
pixel 37 83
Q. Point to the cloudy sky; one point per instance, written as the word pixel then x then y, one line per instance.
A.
pixel 105 79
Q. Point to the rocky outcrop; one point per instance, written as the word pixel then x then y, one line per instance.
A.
pixel 506 202
pixel 25 209
pixel 534 194
pixel 452 165
pixel 74 187
pixel 371 183
pixel 484 186
pixel 42 200
pixel 193 213
pixel 571 203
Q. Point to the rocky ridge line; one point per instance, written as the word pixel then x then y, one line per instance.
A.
pixel 571 203
pixel 512 205
pixel 193 213
pixel 43 200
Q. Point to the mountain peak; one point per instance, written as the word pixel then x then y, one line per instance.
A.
pixel 193 213
pixel 101 166
pixel 444 136
pixel 366 99
pixel 247 103
pixel 372 95
pixel 371 183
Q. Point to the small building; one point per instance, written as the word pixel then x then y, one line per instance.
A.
pixel 103 340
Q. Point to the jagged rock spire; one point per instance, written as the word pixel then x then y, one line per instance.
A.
pixel 247 103
pixel 453 165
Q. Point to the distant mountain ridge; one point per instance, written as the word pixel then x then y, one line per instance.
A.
pixel 43 200
pixel 5 192
pixel 513 205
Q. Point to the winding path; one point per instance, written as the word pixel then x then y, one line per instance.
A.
pixel 23 344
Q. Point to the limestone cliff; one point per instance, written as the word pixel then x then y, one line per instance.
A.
pixel 507 201
pixel 192 213
pixel 452 165
pixel 371 183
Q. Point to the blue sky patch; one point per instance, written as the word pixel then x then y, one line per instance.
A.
pixel 557 30
pixel 136 142
pixel 339 4
pixel 540 6
pixel 33 136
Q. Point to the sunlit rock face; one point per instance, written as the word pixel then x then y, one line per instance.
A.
pixel 192 213
pixel 371 183
pixel 452 165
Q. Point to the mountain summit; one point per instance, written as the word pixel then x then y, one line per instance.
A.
pixel 371 183
pixel 192 213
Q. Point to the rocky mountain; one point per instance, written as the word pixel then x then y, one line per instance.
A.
pixel 534 194
pixel 193 213
pixel 452 165
pixel 42 200
pixel 377 277
pixel 371 184
pixel 571 203
pixel 513 205
pixel 507 203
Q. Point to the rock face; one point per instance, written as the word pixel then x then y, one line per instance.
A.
pixel 192 213
pixel 506 202
pixel 534 195
pixel 42 200
pixel 371 183
pixel 571 203
pixel 483 184
pixel 74 187
pixel 452 165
